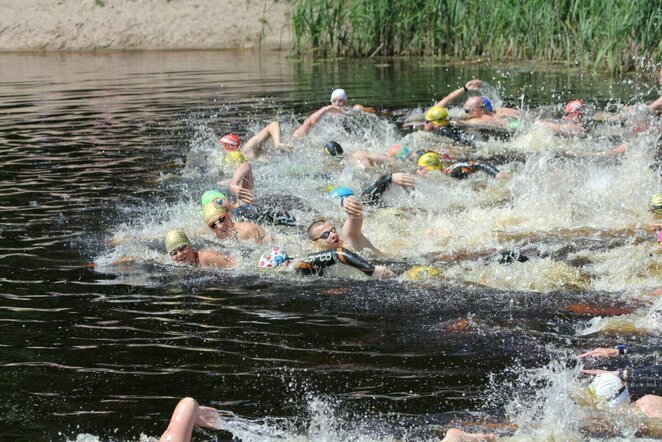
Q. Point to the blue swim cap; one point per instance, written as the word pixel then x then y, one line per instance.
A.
pixel 341 192
pixel 487 104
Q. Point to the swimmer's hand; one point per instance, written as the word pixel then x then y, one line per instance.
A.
pixel 600 353
pixel 403 179
pixel 352 207
pixel 382 272
pixel 502 176
pixel 208 418
pixel 245 195
pixel 473 85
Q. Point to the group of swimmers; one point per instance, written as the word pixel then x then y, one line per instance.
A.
pixel 230 213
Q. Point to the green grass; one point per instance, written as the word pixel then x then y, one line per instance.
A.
pixel 613 35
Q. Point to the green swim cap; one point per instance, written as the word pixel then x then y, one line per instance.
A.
pixel 655 204
pixel 210 196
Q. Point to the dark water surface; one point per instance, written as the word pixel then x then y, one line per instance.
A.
pixel 83 138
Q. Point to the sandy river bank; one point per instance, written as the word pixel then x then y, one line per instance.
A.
pixel 56 25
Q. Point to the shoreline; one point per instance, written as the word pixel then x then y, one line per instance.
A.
pixel 38 26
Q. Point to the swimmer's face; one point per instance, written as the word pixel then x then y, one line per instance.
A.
pixel 183 254
pixel 573 117
pixel 327 236
pixel 221 226
pixel 473 107
pixel 339 102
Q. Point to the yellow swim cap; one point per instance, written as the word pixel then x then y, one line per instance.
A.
pixel 655 204
pixel 175 239
pixel 235 158
pixel 430 161
pixel 212 212
pixel 437 115
pixel 420 272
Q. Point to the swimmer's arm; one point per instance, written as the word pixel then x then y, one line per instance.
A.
pixel 238 184
pixel 311 121
pixel 209 258
pixel 508 112
pixel 656 106
pixel 260 235
pixel 472 85
pixel 487 168
pixel 364 159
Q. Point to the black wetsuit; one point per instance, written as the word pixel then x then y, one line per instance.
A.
pixel 371 194
pixel 463 170
pixel 264 214
pixel 647 376
pixel 456 134
pixel 316 263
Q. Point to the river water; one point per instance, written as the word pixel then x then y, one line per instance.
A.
pixel 104 153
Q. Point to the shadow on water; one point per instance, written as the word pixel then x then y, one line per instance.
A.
pixel 86 143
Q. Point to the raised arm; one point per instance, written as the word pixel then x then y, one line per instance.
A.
pixel 472 85
pixel 311 121
pixel 242 182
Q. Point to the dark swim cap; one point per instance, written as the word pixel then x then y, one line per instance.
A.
pixel 334 149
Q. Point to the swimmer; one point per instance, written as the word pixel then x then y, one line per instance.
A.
pixel 219 221
pixel 436 120
pixel 573 120
pixel 254 147
pixel 338 106
pixel 326 237
pixel 455 435
pixel 656 106
pixel 478 109
pixel 180 250
pixel 316 263
pixel 242 184
pixel 189 414
pixel 430 161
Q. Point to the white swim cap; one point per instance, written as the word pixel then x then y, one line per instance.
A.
pixel 338 93
pixel 610 388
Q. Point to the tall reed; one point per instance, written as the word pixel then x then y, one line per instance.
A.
pixel 614 35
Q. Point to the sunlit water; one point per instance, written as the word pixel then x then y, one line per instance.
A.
pixel 103 154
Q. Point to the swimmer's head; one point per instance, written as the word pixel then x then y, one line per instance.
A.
pixel 212 212
pixel 339 98
pixel 230 142
pixel 655 204
pixel 574 109
pixel 609 388
pixel 334 150
pixel 324 234
pixel 430 161
pixel 437 115
pixel 398 151
pixel 175 239
pixel 273 258
pixel 211 196
pixel 218 220
pixel 476 106
pixel 417 273
pixel 234 158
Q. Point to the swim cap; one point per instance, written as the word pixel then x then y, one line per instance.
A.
pixel 234 158
pixel 273 258
pixel 487 104
pixel 174 239
pixel 420 272
pixel 430 161
pixel 437 114
pixel 655 204
pixel 210 195
pixel 398 151
pixel 341 192
pixel 230 142
pixel 338 93
pixel 574 107
pixel 212 211
pixel 610 388
pixel 333 149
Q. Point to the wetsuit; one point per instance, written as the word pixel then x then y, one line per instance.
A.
pixel 463 170
pixel 316 263
pixel 371 194
pixel 264 214
pixel 456 134
pixel 647 376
